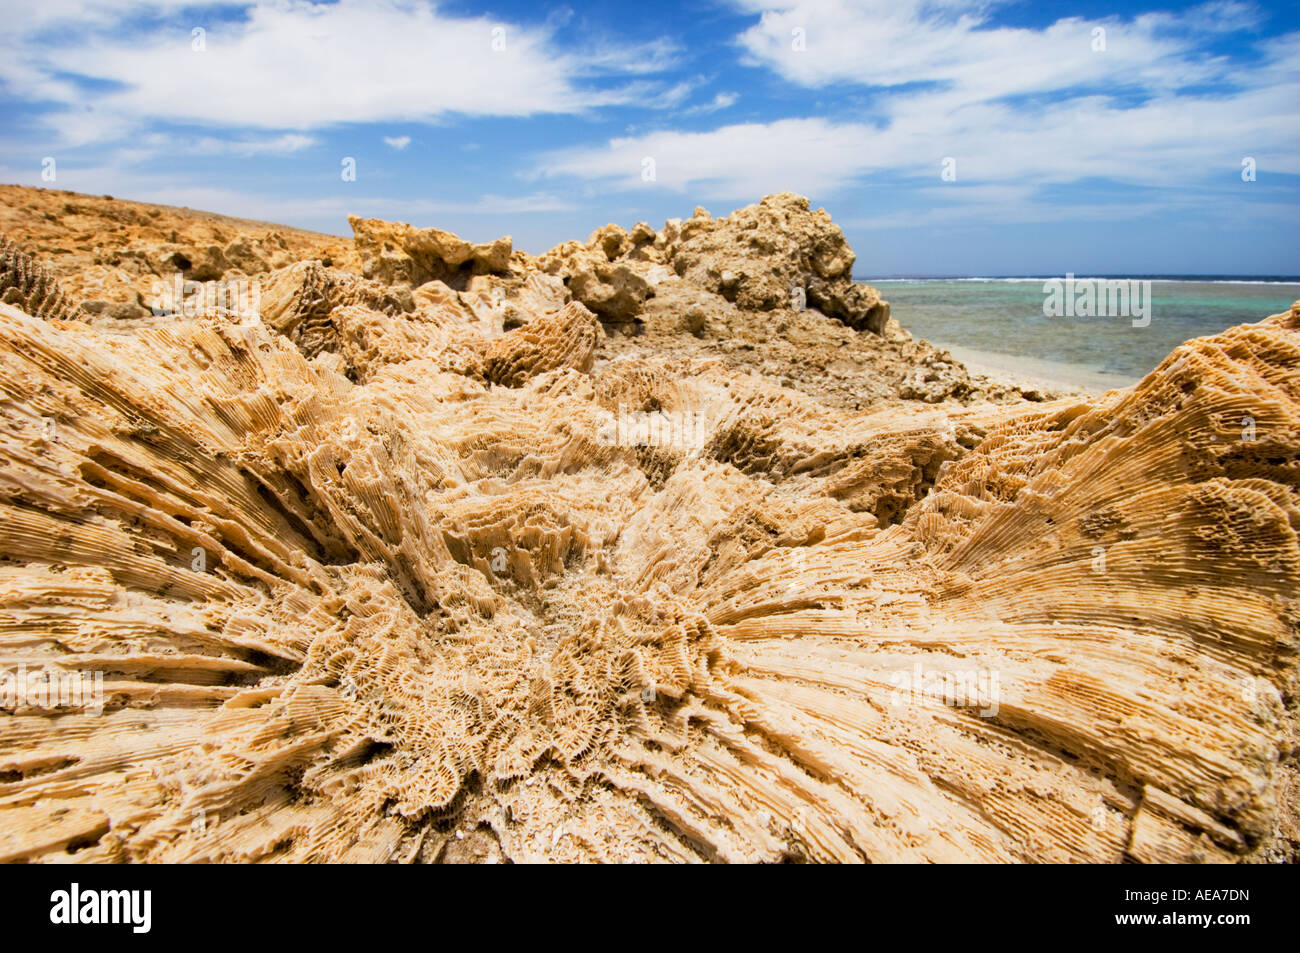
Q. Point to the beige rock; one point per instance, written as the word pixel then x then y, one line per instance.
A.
pixel 298 302
pixel 641 234
pixel 244 254
pixel 101 248
pixel 563 339
pixel 760 256
pixel 610 240
pixel 397 253
pixel 344 596
pixel 435 295
pixel 614 290
pixel 28 285
pixel 502 303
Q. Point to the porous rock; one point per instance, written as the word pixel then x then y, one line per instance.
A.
pixel 397 253
pixel 345 596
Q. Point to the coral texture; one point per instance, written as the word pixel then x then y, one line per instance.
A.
pixel 373 577
pixel 396 253
pixel 29 285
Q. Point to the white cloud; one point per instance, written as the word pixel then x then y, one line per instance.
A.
pixel 718 102
pixel 398 142
pixel 949 42
pixel 1019 110
pixel 298 65
pixel 154 144
pixel 1162 144
pixel 740 161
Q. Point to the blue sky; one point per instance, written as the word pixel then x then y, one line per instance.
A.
pixel 1086 137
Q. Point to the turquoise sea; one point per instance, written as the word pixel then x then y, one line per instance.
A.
pixel 1004 317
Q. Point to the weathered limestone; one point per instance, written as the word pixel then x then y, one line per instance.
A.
pixel 371 570
pixel 563 339
pixel 28 285
pixel 764 255
pixel 396 253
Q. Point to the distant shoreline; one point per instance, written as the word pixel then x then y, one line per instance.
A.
pixel 1035 373
pixel 1003 325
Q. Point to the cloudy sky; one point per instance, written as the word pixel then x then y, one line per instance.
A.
pixel 946 136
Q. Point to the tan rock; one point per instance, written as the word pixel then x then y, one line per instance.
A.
pixel 611 240
pixel 397 253
pixel 244 254
pixel 614 290
pixel 29 286
pixel 763 256
pixel 565 338
pixel 436 295
pixel 505 302
pixel 298 302
pixel 318 588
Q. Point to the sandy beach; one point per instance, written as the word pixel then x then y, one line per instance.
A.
pixel 1028 373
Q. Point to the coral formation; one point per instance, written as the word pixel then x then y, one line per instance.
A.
pixel 396 253
pixel 417 568
pixel 30 286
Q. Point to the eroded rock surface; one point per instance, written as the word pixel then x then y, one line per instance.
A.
pixel 765 255
pixel 115 254
pixel 29 285
pixel 366 582
pixel 396 253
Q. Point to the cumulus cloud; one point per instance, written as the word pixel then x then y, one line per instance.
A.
pixel 951 43
pixel 301 65
pixel 1017 108
pixel 398 142
pixel 744 160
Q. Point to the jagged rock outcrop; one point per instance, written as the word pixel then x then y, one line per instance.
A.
pixel 765 255
pixel 356 582
pixel 768 258
pixel 774 255
pixel 612 289
pixel 396 253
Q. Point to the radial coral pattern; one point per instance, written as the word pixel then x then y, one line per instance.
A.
pixel 383 580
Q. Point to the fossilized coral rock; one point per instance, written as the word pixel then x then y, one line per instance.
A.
pixel 299 301
pixel 633 606
pixel 396 253
pixel 563 339
pixel 776 254
pixel 29 286
pixel 762 255
pixel 614 290
pixel 506 302
pixel 936 377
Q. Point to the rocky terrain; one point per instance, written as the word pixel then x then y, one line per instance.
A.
pixel 669 545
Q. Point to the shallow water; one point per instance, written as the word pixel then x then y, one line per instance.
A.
pixel 1005 316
